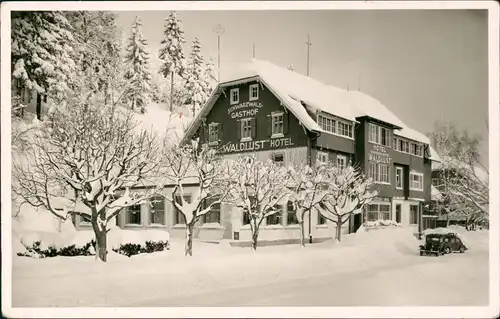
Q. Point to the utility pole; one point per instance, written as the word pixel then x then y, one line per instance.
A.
pixel 308 46
pixel 253 51
pixel 219 30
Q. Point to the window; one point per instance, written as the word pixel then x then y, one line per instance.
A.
pixel 246 128
pixel 327 123
pixel 157 213
pixel 379 135
pixel 385 137
pixel 254 92
pixel 84 220
pixel 385 212
pixel 341 161
pixel 179 218
pixel 399 177
pixel 344 129
pixel 378 211
pixel 435 182
pixel 384 173
pixel 246 217
pixel 321 219
pixel 373 133
pixel 213 133
pixel 416 149
pixel 404 146
pixel 413 214
pixel 234 96
pixel 372 212
pixel 322 157
pixel 379 173
pixel 416 181
pixel 335 126
pixel 277 124
pixel 214 215
pixel 274 219
pixel 395 144
pixel 291 216
pixel 278 159
pixel 134 215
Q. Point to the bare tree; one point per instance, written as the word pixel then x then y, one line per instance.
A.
pixel 258 189
pixel 464 181
pixel 84 159
pixel 197 165
pixel 348 191
pixel 308 186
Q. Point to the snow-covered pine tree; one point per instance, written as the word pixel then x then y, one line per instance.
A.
pixel 98 50
pixel 195 79
pixel 42 52
pixel 209 78
pixel 171 53
pixel 138 73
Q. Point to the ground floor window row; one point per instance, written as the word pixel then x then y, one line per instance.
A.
pixel 383 211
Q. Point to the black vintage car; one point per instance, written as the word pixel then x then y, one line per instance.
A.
pixel 440 244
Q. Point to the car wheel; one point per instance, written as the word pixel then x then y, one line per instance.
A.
pixel 447 250
pixel 462 249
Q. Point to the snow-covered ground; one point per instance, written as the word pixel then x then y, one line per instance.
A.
pixel 379 267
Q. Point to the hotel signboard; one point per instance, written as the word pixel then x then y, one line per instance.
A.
pixel 379 155
pixel 260 145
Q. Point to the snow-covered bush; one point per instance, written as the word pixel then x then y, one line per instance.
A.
pixel 380 223
pixel 131 249
pixel 36 250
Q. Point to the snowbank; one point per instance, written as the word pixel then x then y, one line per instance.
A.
pixel 216 267
pixel 39 225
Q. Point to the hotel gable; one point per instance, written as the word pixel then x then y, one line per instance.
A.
pixel 282 115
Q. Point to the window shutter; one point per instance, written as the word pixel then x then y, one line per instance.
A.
pixel 269 125
pixel 285 123
pixel 238 131
pixel 253 122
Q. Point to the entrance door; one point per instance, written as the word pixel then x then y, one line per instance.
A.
pixel 357 222
pixel 398 213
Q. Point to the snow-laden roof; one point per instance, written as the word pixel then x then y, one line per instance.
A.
pixel 412 134
pixel 294 89
pixel 364 105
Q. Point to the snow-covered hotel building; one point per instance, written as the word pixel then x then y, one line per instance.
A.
pixel 288 117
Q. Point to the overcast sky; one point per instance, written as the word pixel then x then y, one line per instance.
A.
pixel 424 65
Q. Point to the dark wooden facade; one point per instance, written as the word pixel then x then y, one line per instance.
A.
pixel 358 150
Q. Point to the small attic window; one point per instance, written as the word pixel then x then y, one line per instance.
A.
pixel 234 96
pixel 253 92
